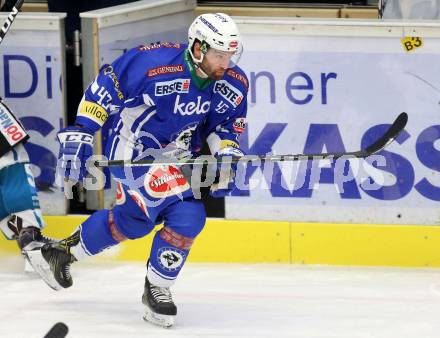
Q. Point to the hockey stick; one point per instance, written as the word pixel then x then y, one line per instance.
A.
pixel 392 132
pixel 59 330
pixel 10 19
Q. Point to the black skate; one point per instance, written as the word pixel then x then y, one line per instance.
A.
pixel 160 309
pixel 30 238
pixel 57 255
pixel 27 237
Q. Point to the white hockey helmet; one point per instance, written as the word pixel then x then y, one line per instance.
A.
pixel 218 31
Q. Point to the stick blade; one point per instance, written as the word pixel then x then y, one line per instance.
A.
pixel 394 131
pixel 59 330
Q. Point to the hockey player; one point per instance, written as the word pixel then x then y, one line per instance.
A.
pixel 20 215
pixel 167 97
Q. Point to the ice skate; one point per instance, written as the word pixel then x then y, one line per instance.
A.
pixel 57 255
pixel 159 306
pixel 29 238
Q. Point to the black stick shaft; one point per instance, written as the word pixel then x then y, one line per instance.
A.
pixel 385 139
pixel 10 19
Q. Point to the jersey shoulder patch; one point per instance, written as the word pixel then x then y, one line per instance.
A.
pixel 163 58
pixel 156 46
pixel 237 76
pixel 144 63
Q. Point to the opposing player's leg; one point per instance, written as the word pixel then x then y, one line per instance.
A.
pixel 183 221
pixel 19 206
pixel 20 215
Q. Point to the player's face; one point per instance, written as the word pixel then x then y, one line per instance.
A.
pixel 216 62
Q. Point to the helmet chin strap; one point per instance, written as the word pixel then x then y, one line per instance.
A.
pixel 198 64
pixel 203 73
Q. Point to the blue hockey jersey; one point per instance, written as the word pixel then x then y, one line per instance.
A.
pixel 159 102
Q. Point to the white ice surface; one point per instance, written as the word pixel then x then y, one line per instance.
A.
pixel 221 300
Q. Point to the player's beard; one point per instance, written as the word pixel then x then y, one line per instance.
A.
pixel 215 74
pixel 218 74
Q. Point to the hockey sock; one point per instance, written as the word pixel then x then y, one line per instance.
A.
pixel 168 254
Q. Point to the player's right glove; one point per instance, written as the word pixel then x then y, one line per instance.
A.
pixel 76 146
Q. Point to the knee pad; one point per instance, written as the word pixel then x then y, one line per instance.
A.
pixel 187 218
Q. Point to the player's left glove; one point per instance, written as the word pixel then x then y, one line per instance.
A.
pixel 225 180
pixel 76 146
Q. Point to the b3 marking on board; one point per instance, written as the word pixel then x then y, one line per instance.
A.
pixel 411 43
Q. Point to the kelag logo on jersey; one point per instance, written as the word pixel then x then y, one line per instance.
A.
pixel 190 108
pixel 169 87
pixel 229 92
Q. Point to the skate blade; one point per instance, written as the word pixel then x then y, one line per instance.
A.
pixel 28 269
pixel 41 267
pixel 158 319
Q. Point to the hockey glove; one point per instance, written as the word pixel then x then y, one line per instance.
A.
pixel 225 178
pixel 76 146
